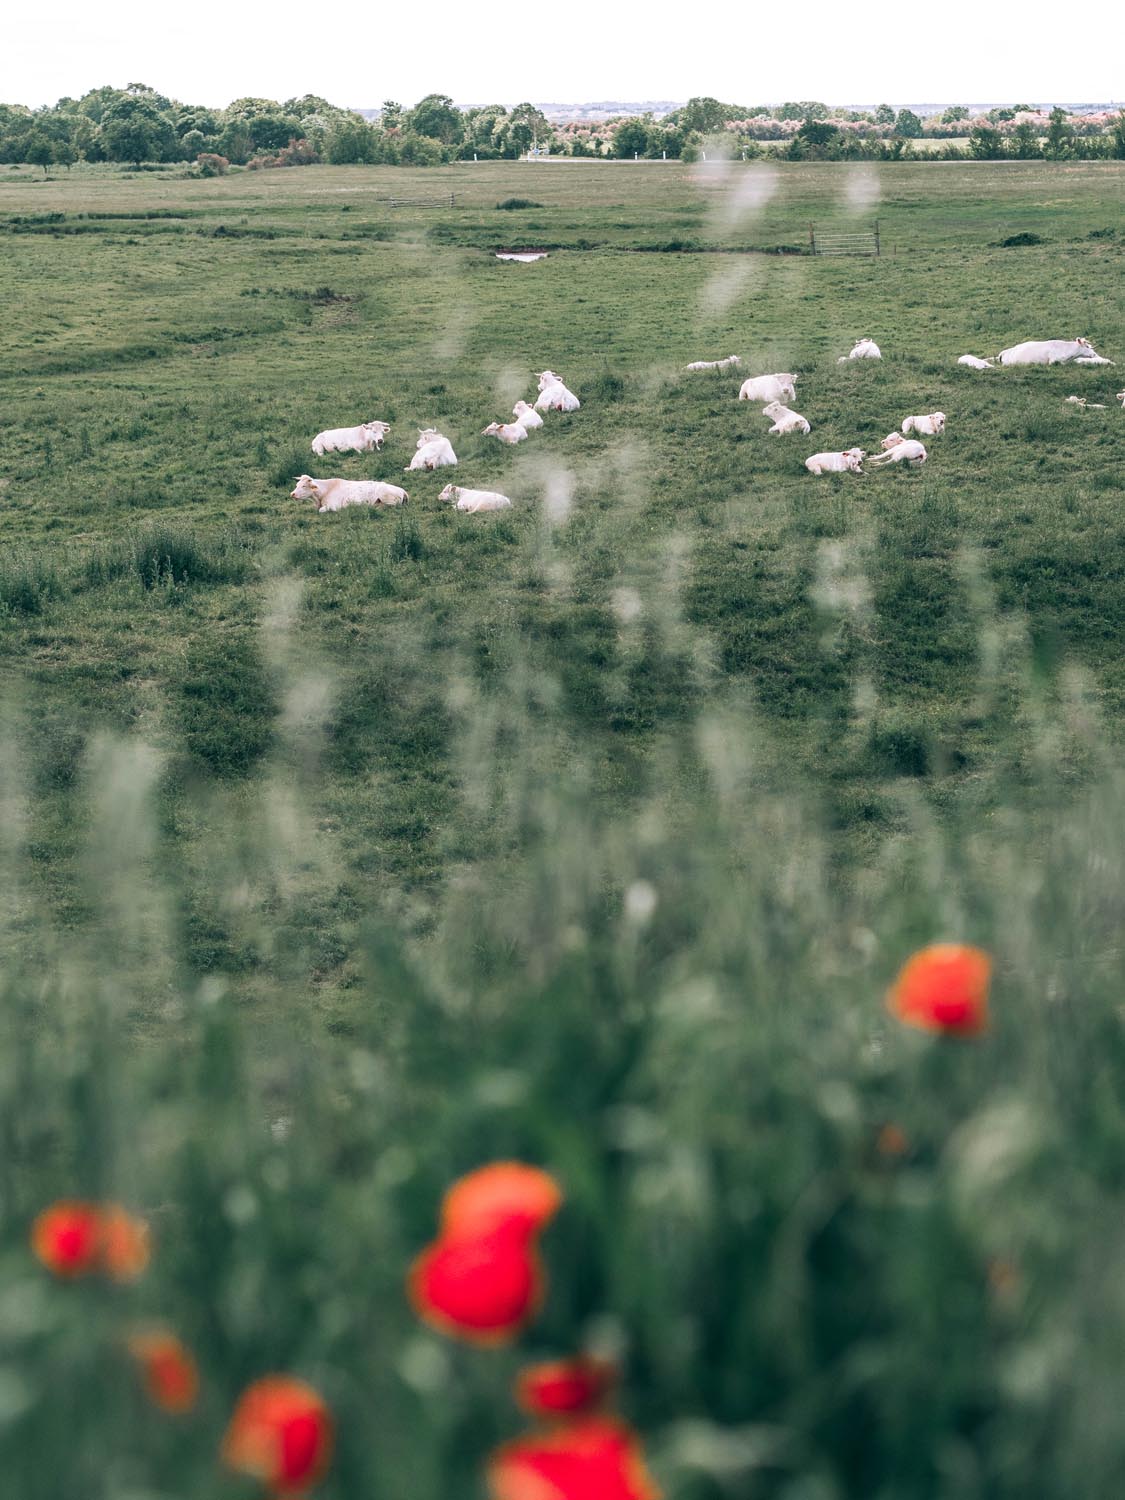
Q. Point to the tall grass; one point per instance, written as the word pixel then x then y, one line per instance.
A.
pixel 674 1004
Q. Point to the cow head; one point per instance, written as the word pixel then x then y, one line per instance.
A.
pixel 306 489
pixel 772 409
pixel 938 420
pixel 491 429
pixel 892 440
pixel 451 492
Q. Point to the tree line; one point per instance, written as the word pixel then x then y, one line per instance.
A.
pixel 138 125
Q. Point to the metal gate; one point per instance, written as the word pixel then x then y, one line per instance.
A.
pixel 844 241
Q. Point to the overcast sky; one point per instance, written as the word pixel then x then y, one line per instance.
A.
pixel 358 54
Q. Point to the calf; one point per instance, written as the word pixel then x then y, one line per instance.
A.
pixel 861 349
pixel 474 500
pixel 714 364
pixel 931 426
pixel 361 439
pixel 783 419
pixel 977 364
pixel 906 450
pixel 433 451
pixel 526 415
pixel 556 397
pixel 334 494
pixel 851 460
pixel 507 432
pixel 769 388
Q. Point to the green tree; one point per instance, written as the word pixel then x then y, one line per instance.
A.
pixel 703 114
pixel 908 125
pixel 1060 136
pixel 235 142
pixel 805 109
pixel 272 132
pixel 39 150
pixel 884 115
pixel 817 133
pixel 1025 142
pixel 437 117
pixel 986 144
pixel 65 154
pixel 631 136
pixel 1117 140
pixel 350 140
pixel 527 127
pixel 391 116
pixel 954 113
pixel 133 129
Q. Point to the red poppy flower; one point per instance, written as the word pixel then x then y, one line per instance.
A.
pixel 565 1385
pixel 168 1370
pixel 125 1243
pixel 892 1140
pixel 944 988
pixel 481 1287
pixel 281 1433
pixel 504 1192
pixel 595 1458
pixel 67 1238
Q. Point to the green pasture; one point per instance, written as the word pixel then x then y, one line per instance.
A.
pixel 341 853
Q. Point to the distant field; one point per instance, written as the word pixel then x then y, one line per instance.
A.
pixel 319 831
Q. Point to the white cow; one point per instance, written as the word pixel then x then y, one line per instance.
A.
pixel 906 450
pixel 526 415
pixel 783 419
pixel 837 463
pixel 714 364
pixel 474 500
pixel 507 432
pixel 862 349
pixel 556 397
pixel 361 439
pixel 433 451
pixel 977 364
pixel 769 388
pixel 931 426
pixel 334 494
pixel 1052 352
pixel 1121 398
pixel 1084 404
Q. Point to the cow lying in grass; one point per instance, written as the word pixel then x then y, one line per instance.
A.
pixel 334 494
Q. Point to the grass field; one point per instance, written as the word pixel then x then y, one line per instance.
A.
pixel 342 853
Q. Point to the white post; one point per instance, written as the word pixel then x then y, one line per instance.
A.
pixel 474 156
pixel 664 156
pixel 704 156
pixel 636 156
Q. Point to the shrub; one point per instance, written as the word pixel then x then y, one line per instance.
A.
pixel 519 203
pixel 26 584
pixel 211 164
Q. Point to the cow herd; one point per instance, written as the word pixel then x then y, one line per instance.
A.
pixel 433 449
pixel 771 390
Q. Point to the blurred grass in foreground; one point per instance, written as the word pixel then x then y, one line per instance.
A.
pixel 676 1007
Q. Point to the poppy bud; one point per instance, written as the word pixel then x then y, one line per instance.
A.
pixel 67 1238
pixel 564 1385
pixel 168 1370
pixel 281 1434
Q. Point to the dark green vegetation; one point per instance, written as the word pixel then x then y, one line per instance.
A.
pixel 342 853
